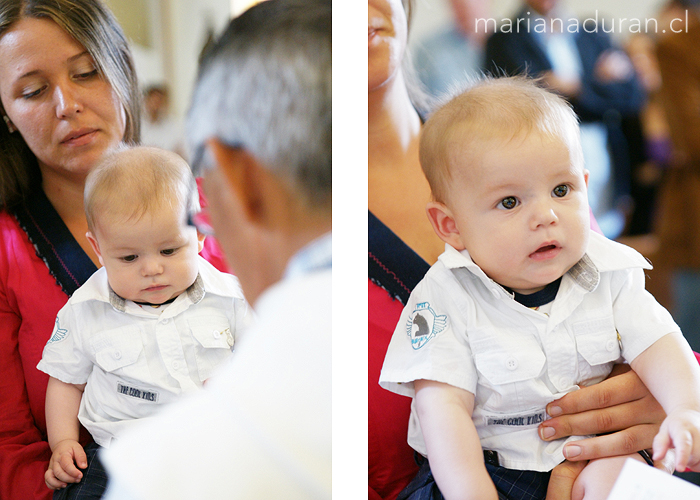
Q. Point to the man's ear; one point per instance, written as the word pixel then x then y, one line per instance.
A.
pixel 239 167
pixel 444 224
pixel 95 246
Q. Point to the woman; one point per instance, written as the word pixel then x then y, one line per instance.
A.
pixel 402 245
pixel 398 193
pixel 68 94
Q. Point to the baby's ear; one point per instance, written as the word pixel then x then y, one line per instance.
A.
pixel 200 241
pixel 95 246
pixel 444 224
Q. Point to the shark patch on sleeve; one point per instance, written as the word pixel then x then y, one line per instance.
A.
pixel 424 324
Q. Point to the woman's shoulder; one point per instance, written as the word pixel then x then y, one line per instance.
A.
pixel 11 232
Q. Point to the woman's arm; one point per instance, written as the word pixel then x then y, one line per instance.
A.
pixel 454 450
pixel 620 408
pixel 24 452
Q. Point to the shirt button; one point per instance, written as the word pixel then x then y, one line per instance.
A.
pixel 176 365
pixel 564 382
pixel 165 321
pixel 512 363
pixel 216 334
pixel 117 355
pixel 610 345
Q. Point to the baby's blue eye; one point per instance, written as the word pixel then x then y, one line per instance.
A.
pixel 561 191
pixel 508 203
pixel 168 251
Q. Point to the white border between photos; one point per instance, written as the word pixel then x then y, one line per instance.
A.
pixel 349 251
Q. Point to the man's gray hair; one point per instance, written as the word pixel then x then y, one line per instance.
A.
pixel 265 87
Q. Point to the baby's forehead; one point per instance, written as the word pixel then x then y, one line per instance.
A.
pixel 471 137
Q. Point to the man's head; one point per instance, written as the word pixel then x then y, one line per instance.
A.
pixel 136 203
pixel 261 120
pixel 542 7
pixel 505 166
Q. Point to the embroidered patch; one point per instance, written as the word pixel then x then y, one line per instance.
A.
pixel 516 420
pixel 137 393
pixel 423 324
pixel 58 334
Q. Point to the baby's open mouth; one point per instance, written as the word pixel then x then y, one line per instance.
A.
pixel 545 248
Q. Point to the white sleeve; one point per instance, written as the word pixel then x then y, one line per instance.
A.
pixel 639 318
pixel 430 340
pixel 63 357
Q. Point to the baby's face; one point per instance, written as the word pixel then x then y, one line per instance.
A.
pixel 521 209
pixel 152 259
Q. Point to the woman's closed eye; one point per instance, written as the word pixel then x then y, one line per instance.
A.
pixel 32 92
pixel 86 75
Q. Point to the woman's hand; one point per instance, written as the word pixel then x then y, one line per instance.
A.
pixel 620 405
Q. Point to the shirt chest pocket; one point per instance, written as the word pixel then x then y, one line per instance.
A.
pixel 510 375
pixel 120 351
pixel 214 337
pixel 596 340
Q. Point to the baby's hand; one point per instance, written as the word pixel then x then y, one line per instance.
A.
pixel 62 466
pixel 680 430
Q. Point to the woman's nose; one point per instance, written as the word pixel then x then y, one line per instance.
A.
pixel 68 101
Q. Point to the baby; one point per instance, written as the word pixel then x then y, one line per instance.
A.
pixel 525 304
pixel 153 323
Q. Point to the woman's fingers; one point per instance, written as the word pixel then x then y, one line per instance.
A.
pixel 623 442
pixel 623 386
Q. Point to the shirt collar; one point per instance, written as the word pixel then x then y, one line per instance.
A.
pixel 316 255
pixel 601 255
pixel 195 292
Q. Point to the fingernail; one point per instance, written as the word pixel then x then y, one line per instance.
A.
pixel 547 432
pixel 554 411
pixel 572 451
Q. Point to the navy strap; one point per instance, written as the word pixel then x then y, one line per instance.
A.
pixel 393 265
pixel 54 243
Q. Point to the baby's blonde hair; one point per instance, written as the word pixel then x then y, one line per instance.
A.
pixel 470 118
pixel 133 181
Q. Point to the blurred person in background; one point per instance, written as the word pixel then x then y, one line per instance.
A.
pixel 678 225
pixel 454 53
pixel 159 128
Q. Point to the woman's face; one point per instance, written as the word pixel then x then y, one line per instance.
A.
pixel 387 33
pixel 51 91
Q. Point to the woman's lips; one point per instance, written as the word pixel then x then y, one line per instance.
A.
pixel 79 137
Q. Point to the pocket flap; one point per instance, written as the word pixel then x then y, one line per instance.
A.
pixel 597 341
pixel 212 332
pixel 117 348
pixel 505 367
